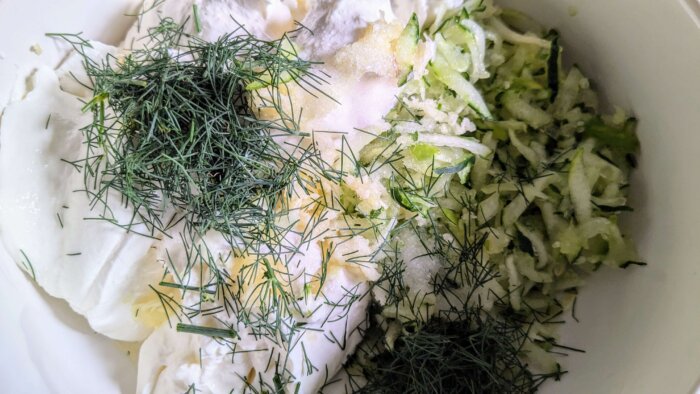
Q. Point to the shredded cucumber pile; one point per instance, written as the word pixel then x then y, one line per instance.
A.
pixel 508 183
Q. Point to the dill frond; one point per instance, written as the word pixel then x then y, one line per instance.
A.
pixel 177 124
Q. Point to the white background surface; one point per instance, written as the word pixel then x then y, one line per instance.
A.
pixel 640 327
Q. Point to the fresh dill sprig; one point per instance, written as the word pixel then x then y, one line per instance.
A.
pixel 208 331
pixel 461 348
pixel 197 23
pixel 473 354
pixel 198 137
pixel 27 265
pixel 176 124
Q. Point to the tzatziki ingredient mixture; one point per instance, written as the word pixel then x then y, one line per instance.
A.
pixel 309 196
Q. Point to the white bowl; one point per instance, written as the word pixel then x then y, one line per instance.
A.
pixel 640 327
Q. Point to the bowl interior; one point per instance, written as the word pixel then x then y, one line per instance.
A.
pixel 640 327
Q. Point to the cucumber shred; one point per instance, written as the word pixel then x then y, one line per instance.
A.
pixel 579 189
pixel 622 139
pixel 497 147
pixel 406 48
pixel 453 54
pixel 412 201
pixel 462 88
pixel 407 43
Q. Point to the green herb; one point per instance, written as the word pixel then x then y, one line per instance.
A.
pixel 553 63
pixel 195 12
pixel 477 354
pixel 27 265
pixel 631 263
pixel 173 125
pixel 463 349
pixel 201 135
pixel 207 331
pixel 457 167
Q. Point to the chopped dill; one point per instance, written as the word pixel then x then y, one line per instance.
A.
pixel 176 124
pixel 207 331
pixel 631 263
pixel 476 354
pixel 187 288
pixel 200 135
pixel 195 13
pixel 27 265
pixel 462 348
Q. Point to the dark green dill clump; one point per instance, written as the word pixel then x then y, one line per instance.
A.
pixel 462 348
pixel 473 354
pixel 180 123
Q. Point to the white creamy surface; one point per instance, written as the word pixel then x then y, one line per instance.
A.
pixel 171 362
pixel 90 263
